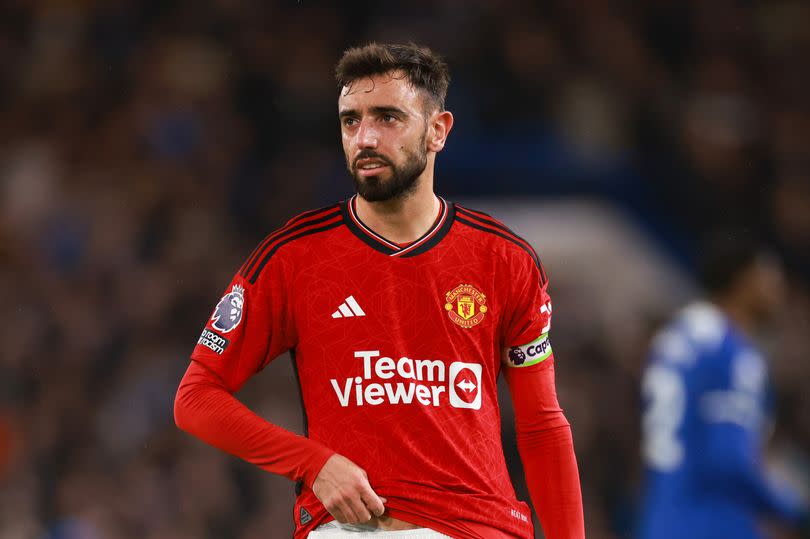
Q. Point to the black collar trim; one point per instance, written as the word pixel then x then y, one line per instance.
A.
pixel 427 241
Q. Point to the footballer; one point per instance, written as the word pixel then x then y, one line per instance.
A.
pixel 400 310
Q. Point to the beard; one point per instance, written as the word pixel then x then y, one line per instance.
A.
pixel 403 180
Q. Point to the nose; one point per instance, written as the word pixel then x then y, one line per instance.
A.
pixel 367 135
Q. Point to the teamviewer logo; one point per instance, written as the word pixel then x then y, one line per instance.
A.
pixel 465 385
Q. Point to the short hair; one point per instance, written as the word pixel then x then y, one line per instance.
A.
pixel 724 256
pixel 423 68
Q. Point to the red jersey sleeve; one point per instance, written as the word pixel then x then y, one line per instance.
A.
pixel 528 316
pixel 250 326
pixel 546 449
pixel 543 434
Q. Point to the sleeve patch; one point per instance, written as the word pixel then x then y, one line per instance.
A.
pixel 529 354
pixel 228 312
pixel 214 341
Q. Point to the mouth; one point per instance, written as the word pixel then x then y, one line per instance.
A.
pixel 369 167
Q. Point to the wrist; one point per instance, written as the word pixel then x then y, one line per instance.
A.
pixel 315 463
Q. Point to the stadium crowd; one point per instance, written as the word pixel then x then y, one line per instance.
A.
pixel 146 147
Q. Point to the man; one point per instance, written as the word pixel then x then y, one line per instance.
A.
pixel 400 310
pixel 705 393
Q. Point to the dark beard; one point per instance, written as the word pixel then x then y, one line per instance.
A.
pixel 401 183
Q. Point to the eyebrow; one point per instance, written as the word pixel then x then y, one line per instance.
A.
pixel 375 110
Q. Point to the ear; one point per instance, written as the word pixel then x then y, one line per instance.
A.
pixel 439 127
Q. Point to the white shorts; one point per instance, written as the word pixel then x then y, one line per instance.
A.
pixel 336 530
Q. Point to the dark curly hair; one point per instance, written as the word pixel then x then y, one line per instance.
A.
pixel 423 68
pixel 724 255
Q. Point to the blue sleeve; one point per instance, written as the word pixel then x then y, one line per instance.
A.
pixel 732 462
pixel 732 410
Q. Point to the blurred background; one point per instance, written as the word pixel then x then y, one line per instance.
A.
pixel 146 147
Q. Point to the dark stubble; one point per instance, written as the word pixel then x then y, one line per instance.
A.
pixel 403 177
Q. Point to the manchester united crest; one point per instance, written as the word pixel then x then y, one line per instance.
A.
pixel 465 305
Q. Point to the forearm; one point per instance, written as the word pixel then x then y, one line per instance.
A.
pixel 552 476
pixel 204 408
pixel 547 451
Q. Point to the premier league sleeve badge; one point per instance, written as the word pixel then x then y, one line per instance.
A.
pixel 228 312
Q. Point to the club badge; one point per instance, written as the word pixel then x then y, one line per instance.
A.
pixel 465 305
pixel 228 312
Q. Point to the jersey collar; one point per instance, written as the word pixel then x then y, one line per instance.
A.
pixel 427 241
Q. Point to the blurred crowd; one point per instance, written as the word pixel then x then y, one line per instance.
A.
pixel 146 147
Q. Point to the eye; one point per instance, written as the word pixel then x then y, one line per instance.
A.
pixel 349 122
pixel 389 118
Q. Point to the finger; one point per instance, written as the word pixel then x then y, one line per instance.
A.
pixel 374 503
pixel 348 513
pixel 359 508
pixel 341 512
pixel 338 514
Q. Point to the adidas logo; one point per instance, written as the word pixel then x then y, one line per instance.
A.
pixel 348 308
pixel 304 517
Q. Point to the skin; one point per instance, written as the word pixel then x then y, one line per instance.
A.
pixel 384 121
pixel 387 117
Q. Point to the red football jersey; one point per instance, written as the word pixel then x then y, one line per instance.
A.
pixel 397 351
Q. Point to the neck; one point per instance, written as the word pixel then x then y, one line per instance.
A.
pixel 739 313
pixel 405 219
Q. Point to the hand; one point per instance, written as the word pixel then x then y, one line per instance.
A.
pixel 343 488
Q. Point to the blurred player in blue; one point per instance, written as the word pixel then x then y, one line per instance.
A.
pixel 707 406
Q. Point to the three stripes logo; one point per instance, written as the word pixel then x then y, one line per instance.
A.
pixel 304 517
pixel 348 309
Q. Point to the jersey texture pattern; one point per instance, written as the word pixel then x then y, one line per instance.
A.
pixel 397 350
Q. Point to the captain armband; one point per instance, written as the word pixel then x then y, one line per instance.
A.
pixel 528 354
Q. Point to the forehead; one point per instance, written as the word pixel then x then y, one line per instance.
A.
pixel 388 89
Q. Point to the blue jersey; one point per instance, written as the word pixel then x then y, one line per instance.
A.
pixel 706 406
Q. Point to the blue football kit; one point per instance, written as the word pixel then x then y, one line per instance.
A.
pixel 706 407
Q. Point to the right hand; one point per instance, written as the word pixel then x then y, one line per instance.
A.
pixel 344 490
